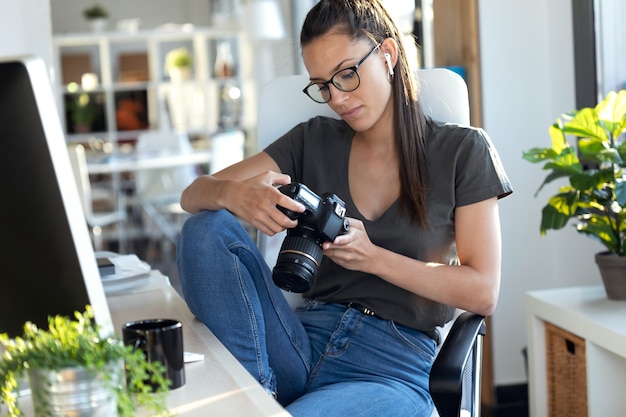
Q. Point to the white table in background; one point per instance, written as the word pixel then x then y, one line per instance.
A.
pixel 117 163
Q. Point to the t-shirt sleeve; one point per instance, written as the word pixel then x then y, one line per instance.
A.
pixel 288 151
pixel 480 174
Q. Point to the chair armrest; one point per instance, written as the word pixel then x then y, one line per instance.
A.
pixel 446 376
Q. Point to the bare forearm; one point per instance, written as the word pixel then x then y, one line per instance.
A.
pixel 214 192
pixel 250 195
pixel 462 286
pixel 205 193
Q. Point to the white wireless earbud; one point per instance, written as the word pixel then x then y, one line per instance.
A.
pixel 388 59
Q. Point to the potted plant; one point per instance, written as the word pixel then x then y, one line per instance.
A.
pixel 596 193
pixel 94 363
pixel 82 113
pixel 178 63
pixel 97 16
pixel 95 12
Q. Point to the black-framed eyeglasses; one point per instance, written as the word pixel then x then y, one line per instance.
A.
pixel 347 80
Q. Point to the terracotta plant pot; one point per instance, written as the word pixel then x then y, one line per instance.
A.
pixel 613 272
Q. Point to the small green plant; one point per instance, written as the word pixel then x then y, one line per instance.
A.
pixel 95 12
pixel 596 193
pixel 178 58
pixel 78 343
pixel 82 110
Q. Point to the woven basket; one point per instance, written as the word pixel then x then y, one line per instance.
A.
pixel 566 372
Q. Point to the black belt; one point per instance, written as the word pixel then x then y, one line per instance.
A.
pixel 361 308
pixel 433 334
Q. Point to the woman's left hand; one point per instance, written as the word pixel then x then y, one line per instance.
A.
pixel 354 250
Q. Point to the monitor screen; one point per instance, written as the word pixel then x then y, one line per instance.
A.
pixel 47 263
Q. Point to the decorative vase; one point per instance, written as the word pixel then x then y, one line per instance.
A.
pixel 613 272
pixel 179 74
pixel 99 25
pixel 224 61
pixel 71 391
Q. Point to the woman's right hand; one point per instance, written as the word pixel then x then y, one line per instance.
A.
pixel 247 189
pixel 256 199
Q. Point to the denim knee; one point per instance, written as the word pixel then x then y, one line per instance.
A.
pixel 207 223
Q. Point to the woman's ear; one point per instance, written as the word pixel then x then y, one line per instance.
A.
pixel 389 47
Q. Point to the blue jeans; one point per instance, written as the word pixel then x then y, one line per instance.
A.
pixel 322 360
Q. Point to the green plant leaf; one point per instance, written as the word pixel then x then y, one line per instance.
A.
pixel 559 141
pixel 538 154
pixel 585 124
pixel 599 228
pixel 590 148
pixel 612 112
pixel 620 193
pixel 591 179
pixel 551 218
pixel 621 148
pixel 559 210
pixel 568 158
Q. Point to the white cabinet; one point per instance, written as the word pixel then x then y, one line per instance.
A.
pixel 129 92
pixel 601 323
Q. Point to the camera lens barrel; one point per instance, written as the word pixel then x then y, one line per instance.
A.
pixel 301 253
pixel 298 261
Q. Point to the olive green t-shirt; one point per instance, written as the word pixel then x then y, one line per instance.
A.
pixel 463 168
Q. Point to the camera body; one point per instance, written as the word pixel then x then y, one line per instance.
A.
pixel 301 252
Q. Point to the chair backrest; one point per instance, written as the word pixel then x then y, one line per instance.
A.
pixel 78 160
pixel 282 105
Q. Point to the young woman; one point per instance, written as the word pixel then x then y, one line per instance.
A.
pixel 424 235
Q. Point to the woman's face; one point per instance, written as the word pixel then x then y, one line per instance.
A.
pixel 364 107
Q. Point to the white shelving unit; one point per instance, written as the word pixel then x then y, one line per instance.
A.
pixel 601 323
pixel 130 72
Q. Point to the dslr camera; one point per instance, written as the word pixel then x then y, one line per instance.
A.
pixel 301 252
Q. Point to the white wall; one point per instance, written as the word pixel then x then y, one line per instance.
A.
pixel 25 29
pixel 67 15
pixel 528 80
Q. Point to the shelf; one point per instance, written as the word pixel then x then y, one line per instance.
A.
pixel 586 313
pixel 134 94
pixel 159 35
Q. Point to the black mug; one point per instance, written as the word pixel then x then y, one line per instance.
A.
pixel 160 340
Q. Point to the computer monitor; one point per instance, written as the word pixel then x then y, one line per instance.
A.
pixel 47 262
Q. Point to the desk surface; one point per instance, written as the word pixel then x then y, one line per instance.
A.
pixel 216 386
pixel 110 164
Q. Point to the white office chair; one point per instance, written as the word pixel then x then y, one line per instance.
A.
pixel 455 377
pixel 158 190
pixel 96 220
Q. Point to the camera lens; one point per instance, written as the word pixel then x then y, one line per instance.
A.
pixel 298 261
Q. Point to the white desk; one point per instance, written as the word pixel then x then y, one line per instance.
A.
pixel 111 164
pixel 217 386
pixel 587 313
